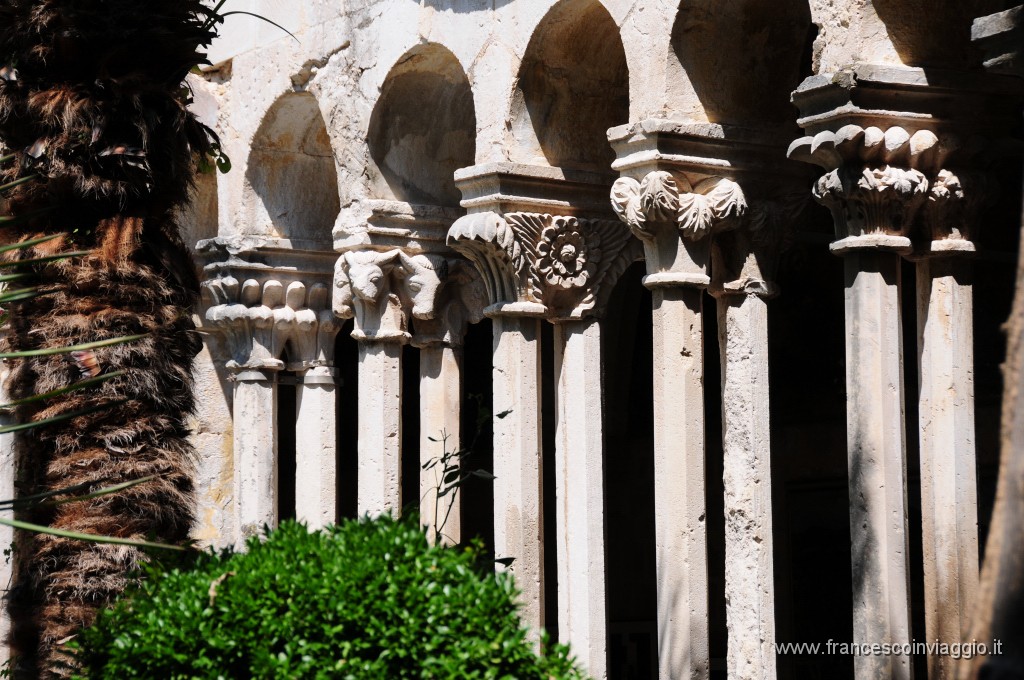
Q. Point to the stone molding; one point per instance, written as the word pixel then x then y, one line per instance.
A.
pixel 558 267
pixel 385 290
pixel 258 320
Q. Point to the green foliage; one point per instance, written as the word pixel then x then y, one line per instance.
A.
pixel 366 599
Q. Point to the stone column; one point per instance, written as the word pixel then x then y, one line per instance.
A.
pixel 561 268
pixel 366 282
pixel 316 447
pixel 743 260
pixel 380 428
pixel 444 296
pixel 579 472
pixel 673 219
pixel 949 493
pixel 518 459
pixel 440 433
pixel 254 413
pixel 873 194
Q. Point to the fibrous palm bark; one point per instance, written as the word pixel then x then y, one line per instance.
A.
pixel 93 105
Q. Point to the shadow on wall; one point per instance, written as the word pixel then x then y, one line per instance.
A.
pixel 423 129
pixel 573 86
pixel 935 32
pixel 742 58
pixel 291 171
pixel 198 218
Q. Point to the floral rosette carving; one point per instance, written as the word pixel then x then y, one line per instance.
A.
pixel 563 257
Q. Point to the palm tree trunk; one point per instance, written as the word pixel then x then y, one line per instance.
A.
pixel 93 106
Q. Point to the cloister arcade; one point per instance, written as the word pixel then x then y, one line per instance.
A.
pixel 713 290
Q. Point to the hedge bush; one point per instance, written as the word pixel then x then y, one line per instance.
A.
pixel 365 599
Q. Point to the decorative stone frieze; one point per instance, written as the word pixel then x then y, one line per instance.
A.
pixel 537 264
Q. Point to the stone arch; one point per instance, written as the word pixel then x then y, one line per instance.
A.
pixel 423 128
pixel 737 62
pixel 291 177
pixel 573 85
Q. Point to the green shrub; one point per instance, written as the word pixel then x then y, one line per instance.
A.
pixel 365 599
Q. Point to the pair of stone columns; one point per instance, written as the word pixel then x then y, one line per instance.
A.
pixel 259 318
pixel 675 218
pixel 879 185
pixel 383 290
pixel 558 268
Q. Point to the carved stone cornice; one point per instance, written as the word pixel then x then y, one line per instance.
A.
pixel 259 320
pixel 1001 37
pixel 379 224
pixel 385 290
pixel 551 266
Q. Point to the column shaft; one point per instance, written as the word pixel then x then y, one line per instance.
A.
pixel 746 438
pixel 254 414
pixel 380 428
pixel 518 469
pixel 876 447
pixel 679 484
pixel 440 433
pixel 948 480
pixel 582 615
pixel 316 438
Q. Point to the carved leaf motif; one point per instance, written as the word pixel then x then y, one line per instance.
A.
pixel 725 197
pixel 626 202
pixel 695 216
pixel 612 249
pixel 946 186
pixel 659 197
pixel 527 228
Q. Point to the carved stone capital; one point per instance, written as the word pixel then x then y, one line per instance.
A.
pixel 537 264
pixel 259 320
pixel 745 259
pixel 387 292
pixel 875 184
pixel 952 213
pixel 673 218
pixel 365 283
